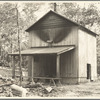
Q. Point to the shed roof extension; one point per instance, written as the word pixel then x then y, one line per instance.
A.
pixel 80 26
pixel 45 50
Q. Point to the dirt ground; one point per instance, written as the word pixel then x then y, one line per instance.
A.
pixel 89 89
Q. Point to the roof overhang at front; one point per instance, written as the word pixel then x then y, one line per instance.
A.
pixel 80 26
pixel 44 50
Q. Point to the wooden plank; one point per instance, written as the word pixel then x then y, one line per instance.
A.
pixel 51 79
pixel 29 67
pixel 68 49
pixel 18 91
pixel 87 54
pixel 13 66
pixel 58 66
pixel 32 69
pixel 47 78
pixel 51 21
pixel 70 38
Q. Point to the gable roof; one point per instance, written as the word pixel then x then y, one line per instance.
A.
pixel 80 26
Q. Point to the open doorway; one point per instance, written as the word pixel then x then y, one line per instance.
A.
pixel 45 65
pixel 89 71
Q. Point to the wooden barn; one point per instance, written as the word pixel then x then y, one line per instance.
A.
pixel 61 49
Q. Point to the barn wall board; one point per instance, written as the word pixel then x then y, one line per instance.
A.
pixel 87 54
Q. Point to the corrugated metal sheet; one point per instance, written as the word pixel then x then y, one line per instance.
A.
pixel 46 50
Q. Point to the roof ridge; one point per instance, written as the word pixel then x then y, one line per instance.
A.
pixel 80 26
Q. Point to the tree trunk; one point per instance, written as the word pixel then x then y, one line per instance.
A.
pixel 20 57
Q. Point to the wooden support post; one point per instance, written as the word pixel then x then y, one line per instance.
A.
pixel 13 66
pixel 32 69
pixel 29 67
pixel 53 82
pixel 58 66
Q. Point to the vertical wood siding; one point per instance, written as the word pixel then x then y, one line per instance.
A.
pixel 87 54
pixel 45 66
pixel 69 64
pixel 73 63
pixel 67 35
pixel 62 33
pixel 69 61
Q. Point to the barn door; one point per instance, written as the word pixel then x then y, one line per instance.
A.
pixel 88 71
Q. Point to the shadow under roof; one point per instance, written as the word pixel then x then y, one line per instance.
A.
pixel 44 50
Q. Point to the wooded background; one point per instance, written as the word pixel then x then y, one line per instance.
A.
pixel 85 13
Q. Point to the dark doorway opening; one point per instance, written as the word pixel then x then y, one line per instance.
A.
pixel 45 65
pixel 88 71
pixel 50 66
